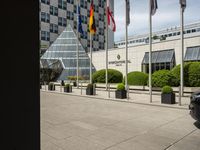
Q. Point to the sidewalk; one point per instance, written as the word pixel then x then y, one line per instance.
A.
pixel 135 96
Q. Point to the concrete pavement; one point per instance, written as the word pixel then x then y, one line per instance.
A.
pixel 70 122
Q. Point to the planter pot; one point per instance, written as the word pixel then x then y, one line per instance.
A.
pixel 121 94
pixel 68 89
pixel 62 83
pixel 51 87
pixel 74 84
pixel 90 91
pixel 168 98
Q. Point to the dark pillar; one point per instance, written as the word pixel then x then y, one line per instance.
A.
pixel 20 75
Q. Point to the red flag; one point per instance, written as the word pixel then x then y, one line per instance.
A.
pixel 110 18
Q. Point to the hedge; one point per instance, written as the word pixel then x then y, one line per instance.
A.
pixel 176 73
pixel 194 74
pixel 114 76
pixel 137 78
pixel 162 78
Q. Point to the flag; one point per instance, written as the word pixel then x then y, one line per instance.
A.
pixel 80 29
pixel 110 18
pixel 92 26
pixel 127 12
pixel 183 4
pixel 154 6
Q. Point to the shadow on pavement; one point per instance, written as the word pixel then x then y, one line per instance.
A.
pixel 197 124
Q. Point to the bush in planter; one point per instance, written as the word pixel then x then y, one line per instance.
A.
pixel 90 90
pixel 114 76
pixel 68 88
pixel 167 96
pixel 137 78
pixel 194 74
pixel 74 79
pixel 162 77
pixel 51 87
pixel 120 92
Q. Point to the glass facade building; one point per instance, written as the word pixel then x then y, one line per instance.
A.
pixel 63 54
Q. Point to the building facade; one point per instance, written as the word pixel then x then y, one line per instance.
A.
pixel 56 14
pixel 166 50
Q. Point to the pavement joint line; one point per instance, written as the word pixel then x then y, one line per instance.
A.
pixel 116 100
pixel 167 148
pixel 145 132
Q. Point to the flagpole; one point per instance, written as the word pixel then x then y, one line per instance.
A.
pixel 182 52
pixel 90 58
pixel 77 49
pixel 150 51
pixel 106 46
pixel 126 42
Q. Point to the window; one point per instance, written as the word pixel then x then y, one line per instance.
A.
pixel 45 35
pixel 62 4
pixel 70 1
pixel 188 31
pixel 192 54
pixel 62 21
pixel 53 10
pixel 70 15
pixel 101 3
pixel 198 29
pixel 193 30
pixel 53 28
pixel 101 17
pixel 46 1
pixel 45 17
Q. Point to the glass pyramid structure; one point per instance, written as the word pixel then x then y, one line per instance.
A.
pixel 62 55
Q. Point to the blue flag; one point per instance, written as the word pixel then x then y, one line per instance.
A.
pixel 80 29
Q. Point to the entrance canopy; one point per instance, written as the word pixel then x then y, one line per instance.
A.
pixel 164 56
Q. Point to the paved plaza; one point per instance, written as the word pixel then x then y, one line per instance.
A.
pixel 71 122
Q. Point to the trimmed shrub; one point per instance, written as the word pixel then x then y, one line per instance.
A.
pixel 67 85
pixel 120 86
pixel 114 76
pixel 167 89
pixel 137 78
pixel 162 78
pixel 90 85
pixel 194 74
pixel 74 78
pixel 176 73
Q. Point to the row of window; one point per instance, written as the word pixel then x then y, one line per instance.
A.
pixel 61 3
pixel 162 37
pixel 45 17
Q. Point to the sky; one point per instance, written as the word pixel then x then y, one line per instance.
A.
pixel 167 16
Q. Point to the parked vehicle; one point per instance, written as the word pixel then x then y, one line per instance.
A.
pixel 195 106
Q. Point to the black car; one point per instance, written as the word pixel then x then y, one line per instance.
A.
pixel 195 106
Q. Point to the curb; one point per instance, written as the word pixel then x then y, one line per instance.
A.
pixel 118 100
